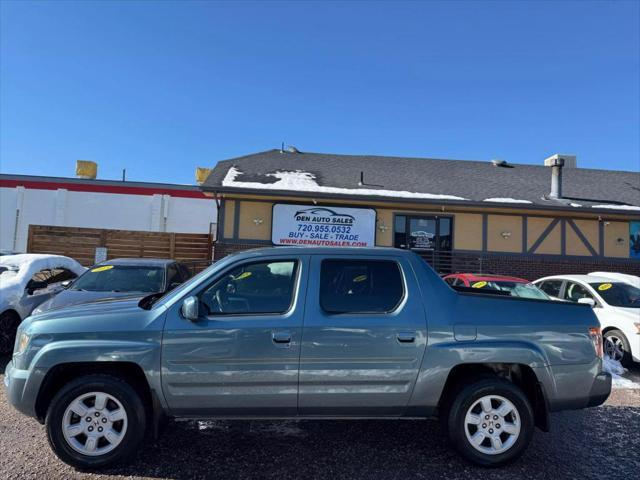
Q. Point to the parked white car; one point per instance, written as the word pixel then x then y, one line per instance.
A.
pixel 615 303
pixel 27 280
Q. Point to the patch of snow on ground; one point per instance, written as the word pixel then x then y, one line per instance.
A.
pixel 617 370
pixel 506 200
pixel 617 207
pixel 300 181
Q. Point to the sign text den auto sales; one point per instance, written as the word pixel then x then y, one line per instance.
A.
pixel 323 226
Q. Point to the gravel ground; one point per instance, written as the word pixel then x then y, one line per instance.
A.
pixel 591 443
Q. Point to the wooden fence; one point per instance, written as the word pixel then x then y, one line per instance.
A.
pixel 81 244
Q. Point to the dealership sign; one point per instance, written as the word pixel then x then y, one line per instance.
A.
pixel 323 226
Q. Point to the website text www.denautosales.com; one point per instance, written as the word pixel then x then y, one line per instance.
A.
pixel 320 243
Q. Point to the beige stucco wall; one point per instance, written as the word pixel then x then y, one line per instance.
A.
pixel 552 244
pixel 384 219
pixel 590 229
pixel 467 231
pixel 229 214
pixel 467 227
pixel 250 212
pixel 575 246
pixel 496 225
pixel 612 232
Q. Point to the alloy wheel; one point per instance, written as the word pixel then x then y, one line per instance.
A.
pixel 614 347
pixel 94 423
pixel 492 424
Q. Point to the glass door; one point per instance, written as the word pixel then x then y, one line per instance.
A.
pixel 422 233
pixel 430 237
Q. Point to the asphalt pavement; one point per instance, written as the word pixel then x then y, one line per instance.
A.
pixel 592 443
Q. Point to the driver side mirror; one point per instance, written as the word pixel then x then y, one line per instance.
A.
pixel 587 301
pixel 34 285
pixel 190 309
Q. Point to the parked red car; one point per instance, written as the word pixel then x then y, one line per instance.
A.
pixel 514 286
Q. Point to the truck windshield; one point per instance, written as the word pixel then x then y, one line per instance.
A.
pixel 121 278
pixel 618 294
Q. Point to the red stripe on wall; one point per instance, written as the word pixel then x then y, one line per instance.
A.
pixel 96 188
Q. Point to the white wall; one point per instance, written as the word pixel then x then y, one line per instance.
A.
pixel 160 213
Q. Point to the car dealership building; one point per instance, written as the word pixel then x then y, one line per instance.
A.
pixel 493 216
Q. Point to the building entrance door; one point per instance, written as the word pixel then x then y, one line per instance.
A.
pixel 429 236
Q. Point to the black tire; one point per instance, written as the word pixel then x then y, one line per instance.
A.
pixel 466 397
pixel 9 322
pixel 113 386
pixel 616 336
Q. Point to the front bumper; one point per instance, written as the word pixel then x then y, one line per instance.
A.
pixel 16 385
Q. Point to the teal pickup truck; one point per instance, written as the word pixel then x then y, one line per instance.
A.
pixel 307 333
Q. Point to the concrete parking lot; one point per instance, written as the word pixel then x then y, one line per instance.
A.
pixel 583 444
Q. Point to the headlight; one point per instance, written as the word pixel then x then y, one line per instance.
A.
pixel 23 343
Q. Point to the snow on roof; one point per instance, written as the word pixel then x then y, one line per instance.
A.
pixel 505 200
pixel 617 207
pixel 301 181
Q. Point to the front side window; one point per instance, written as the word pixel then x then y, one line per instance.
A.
pixel 253 288
pixel 360 286
pixel 575 292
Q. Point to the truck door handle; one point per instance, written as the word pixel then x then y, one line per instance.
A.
pixel 406 337
pixel 281 337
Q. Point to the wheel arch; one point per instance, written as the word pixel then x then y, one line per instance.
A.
pixel 61 374
pixel 521 375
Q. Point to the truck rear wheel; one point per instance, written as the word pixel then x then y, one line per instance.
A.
pixel 95 421
pixel 491 422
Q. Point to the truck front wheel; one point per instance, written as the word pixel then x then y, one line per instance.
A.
pixel 491 422
pixel 95 421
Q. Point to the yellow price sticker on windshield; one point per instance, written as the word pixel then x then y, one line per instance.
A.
pixel 102 269
pixel 605 286
pixel 243 276
pixel 479 285
pixel 360 278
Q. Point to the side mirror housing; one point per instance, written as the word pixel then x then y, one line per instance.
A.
pixel 189 309
pixel 587 301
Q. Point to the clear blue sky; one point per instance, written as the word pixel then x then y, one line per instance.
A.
pixel 161 87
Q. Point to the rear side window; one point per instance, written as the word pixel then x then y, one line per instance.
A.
pixel 551 287
pixel 360 286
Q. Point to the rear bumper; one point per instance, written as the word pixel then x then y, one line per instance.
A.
pixel 571 387
pixel 600 390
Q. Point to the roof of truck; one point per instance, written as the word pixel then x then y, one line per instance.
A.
pixel 297 250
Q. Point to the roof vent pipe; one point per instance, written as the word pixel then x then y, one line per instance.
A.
pixel 556 162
